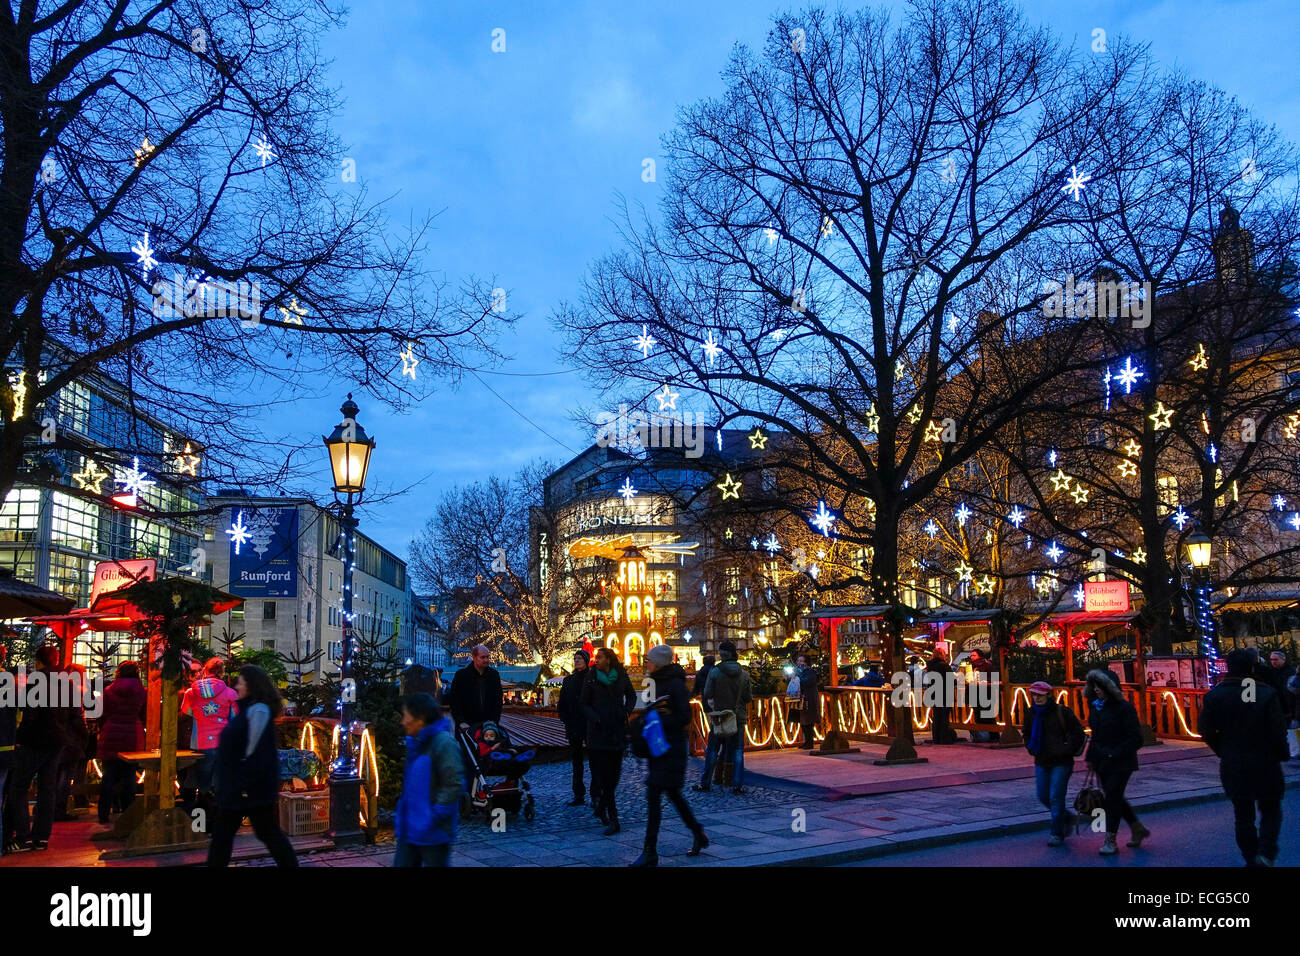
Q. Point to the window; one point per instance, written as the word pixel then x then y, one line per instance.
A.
pixel 331 581
pixel 268 645
pixel 308 613
pixel 309 574
pixel 1167 489
pixel 75 523
pixel 20 515
pixel 733 579
pixel 268 610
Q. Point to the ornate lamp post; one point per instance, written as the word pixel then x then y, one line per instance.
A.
pixel 349 449
pixel 1199 552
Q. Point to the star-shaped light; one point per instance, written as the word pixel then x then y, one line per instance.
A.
pixel 1180 518
pixel 1074 183
pixel 1201 360
pixel 1292 427
pixel 1295 520
pixel 753 544
pixel 1212 452
pixel 294 313
pixel 1139 556
pixel 144 255
pixel 187 462
pixel 135 481
pixel 823 520
pixel 1128 375
pixel 1127 469
pixel 772 544
pixel 933 431
pixel 264 151
pixel 729 487
pixel 1162 417
pixel 409 361
pixel 239 532
pixel 900 368
pixel 758 439
pixel 931 528
pixel 771 235
pixel 627 491
pixel 645 342
pixel 1279 503
pixel 961 514
pixel 1016 516
pixel 667 398
pixel 1132 448
pixel 1080 495
pixel 985 585
pixel 872 419
pixel 914 414
pixel 711 348
pixel 91 477
pixel 1054 552
pixel 1051 458
pixel 1079 595
pixel 828 227
pixel 144 152
pixel 1061 481
pixel 963 571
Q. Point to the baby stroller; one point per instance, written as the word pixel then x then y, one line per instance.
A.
pixel 489 753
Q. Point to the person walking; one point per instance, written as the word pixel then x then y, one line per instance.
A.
pixel 248 772
pixel 702 676
pixel 936 693
pixel 40 739
pixel 728 689
pixel 1245 727
pixel 607 700
pixel 810 701
pixel 432 782
pixel 475 695
pixel 667 770
pixel 1112 754
pixel 211 704
pixel 575 726
pixel 1282 673
pixel 1053 736
pixel 121 730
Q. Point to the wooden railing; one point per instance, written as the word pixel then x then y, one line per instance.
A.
pixel 861 712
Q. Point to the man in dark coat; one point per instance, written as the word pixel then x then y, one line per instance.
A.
pixel 1242 722
pixel 42 734
pixel 702 675
pixel 1053 735
pixel 475 695
pixel 937 685
pixel 1282 672
pixel 810 701
pixel 668 770
pixel 575 725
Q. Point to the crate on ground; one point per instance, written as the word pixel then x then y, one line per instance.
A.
pixel 303 813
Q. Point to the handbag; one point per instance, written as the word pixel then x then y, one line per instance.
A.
pixel 723 723
pixel 1089 799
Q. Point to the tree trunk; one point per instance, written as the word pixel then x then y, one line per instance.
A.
pixel 884 586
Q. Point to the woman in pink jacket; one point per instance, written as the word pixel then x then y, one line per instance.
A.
pixel 211 702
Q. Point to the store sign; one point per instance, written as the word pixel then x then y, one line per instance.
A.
pixel 111 575
pixel 1105 597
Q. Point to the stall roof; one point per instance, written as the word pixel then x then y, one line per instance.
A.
pixel 1084 617
pixel 875 611
pixel 954 615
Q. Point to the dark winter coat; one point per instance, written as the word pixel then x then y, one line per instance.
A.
pixel 669 771
pixel 8 729
pixel 252 781
pixel 475 698
pixel 432 782
pixel 1249 738
pixel 605 709
pixel 571 713
pixel 43 728
pixel 1062 736
pixel 810 698
pixel 1116 736
pixel 701 678
pixel 728 688
pixel 122 723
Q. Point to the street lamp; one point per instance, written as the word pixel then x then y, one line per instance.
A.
pixel 349 449
pixel 1199 550
pixel 1198 547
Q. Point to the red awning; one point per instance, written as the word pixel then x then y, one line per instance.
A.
pixel 80 621
pixel 113 603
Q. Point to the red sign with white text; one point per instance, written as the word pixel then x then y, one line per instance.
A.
pixel 1105 597
pixel 111 575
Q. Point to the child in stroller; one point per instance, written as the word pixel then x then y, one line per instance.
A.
pixel 491 753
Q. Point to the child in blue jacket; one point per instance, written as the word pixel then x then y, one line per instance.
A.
pixel 432 783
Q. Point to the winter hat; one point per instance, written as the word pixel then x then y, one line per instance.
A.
pixel 1040 687
pixel 586 658
pixel 727 650
pixel 660 654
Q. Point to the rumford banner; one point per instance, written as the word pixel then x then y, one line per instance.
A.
pixel 264 556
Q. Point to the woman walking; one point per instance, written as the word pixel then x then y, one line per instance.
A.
pixel 1112 754
pixel 668 770
pixel 1053 735
pixel 121 730
pixel 607 699
pixel 248 772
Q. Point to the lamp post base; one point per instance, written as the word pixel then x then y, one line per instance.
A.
pixel 345 811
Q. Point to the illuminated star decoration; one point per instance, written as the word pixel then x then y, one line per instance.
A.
pixel 1212 452
pixel 931 528
pixel 711 348
pixel 409 361
pixel 963 571
pixel 1079 595
pixel 1180 517
pixel 263 150
pixel 772 544
pixel 771 235
pixel 719 439
pixel 985 585
pixel 961 514
pixel 1054 552
pixel 828 227
pixel 135 481
pixel 1200 361
pixel 1132 448
pixel 91 477
pixel 293 315
pixel 187 463
pixel 1295 520
pixel 645 342
pixel 730 487
pixel 239 533
pixel 1080 495
pixel 1061 481
pixel 1128 375
pixel 144 255
pixel 1016 516
pixel 1074 183
pixel 1051 458
pixel 667 398
pixel 1162 417
pixel 753 543
pixel 627 491
pixel 914 414
pixel 144 152
pixel 823 520
pixel 758 439
pixel 872 419
pixel 933 431
pixel 1279 503
pixel 1140 556
pixel 1127 469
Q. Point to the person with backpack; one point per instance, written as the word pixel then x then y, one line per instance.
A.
pixel 672 711
pixel 575 726
pixel 607 700
pixel 727 692
pixel 1054 736
pixel 1112 754
pixel 1243 724
pixel 432 782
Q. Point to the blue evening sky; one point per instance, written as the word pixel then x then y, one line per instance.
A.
pixel 524 153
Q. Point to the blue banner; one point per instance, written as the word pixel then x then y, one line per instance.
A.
pixel 264 552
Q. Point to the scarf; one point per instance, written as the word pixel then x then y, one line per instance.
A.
pixel 1035 745
pixel 607 677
